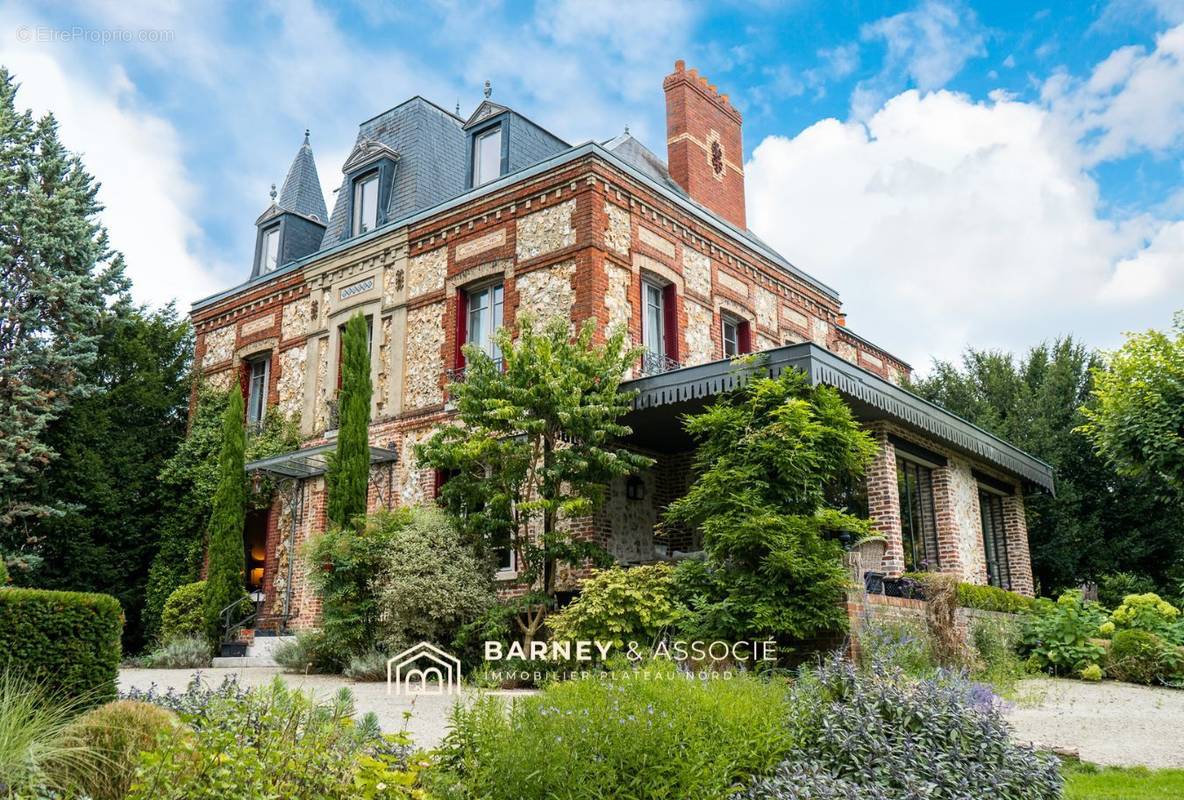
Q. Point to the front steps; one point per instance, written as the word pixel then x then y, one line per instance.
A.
pixel 260 651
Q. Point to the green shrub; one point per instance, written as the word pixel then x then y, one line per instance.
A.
pixel 182 616
pixel 1114 587
pixel 1060 636
pixel 431 584
pixel 67 641
pixel 308 652
pixel 273 742
pixel 191 653
pixel 369 666
pixel 1138 656
pixel 112 737
pixel 883 737
pixel 36 748
pixel 890 642
pixel 3 572
pixel 621 605
pixel 996 643
pixel 1147 612
pixel 649 734
pixel 992 598
pixel 1091 673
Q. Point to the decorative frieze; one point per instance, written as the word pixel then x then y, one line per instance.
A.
pixel 659 243
pixel 546 231
pixel 479 245
pixel 353 289
pixel 732 283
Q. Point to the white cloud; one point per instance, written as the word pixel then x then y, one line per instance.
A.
pixel 926 47
pixel 137 157
pixel 1132 101
pixel 946 222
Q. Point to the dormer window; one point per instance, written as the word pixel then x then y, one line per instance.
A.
pixel 271 249
pixel 487 156
pixel 366 203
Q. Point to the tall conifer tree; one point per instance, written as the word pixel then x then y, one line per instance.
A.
pixel 227 558
pixel 349 468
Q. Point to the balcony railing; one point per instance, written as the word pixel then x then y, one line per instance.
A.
pixel 657 363
pixel 457 374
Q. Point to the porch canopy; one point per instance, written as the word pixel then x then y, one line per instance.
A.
pixel 662 399
pixel 312 461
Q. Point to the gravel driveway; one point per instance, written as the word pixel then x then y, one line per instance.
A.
pixel 429 712
pixel 1107 723
pixel 1110 723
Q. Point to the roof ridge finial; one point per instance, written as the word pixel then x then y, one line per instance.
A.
pixel 626 128
pixel 488 89
pixel 306 144
pixel 458 106
pixel 273 194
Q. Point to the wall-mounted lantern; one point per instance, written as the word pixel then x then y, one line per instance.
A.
pixel 635 487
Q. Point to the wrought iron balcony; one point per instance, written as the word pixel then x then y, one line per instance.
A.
pixel 656 363
pixel 457 374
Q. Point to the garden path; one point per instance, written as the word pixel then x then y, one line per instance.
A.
pixel 1111 723
pixel 429 712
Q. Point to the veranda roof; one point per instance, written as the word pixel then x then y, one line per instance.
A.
pixel 310 462
pixel 871 397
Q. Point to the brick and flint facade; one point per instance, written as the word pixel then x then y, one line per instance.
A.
pixel 602 232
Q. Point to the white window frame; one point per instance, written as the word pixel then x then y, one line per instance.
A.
pixel 360 209
pixel 265 379
pixel 269 260
pixel 479 165
pixel 650 311
pixel 494 297
pixel 727 321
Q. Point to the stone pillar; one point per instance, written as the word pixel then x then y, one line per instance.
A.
pixel 1019 559
pixel 883 503
pixel 945 515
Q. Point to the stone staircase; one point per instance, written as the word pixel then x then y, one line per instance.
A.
pixel 258 648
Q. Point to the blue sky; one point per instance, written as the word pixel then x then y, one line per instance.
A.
pixel 963 172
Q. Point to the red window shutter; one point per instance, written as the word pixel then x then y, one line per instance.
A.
pixel 743 337
pixel 244 379
pixel 462 326
pixel 340 354
pixel 670 311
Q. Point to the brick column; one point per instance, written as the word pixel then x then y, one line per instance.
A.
pixel 883 503
pixel 949 551
pixel 1019 560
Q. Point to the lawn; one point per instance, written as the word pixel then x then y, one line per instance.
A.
pixel 1088 782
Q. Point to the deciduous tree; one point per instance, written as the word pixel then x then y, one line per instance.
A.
pixel 536 442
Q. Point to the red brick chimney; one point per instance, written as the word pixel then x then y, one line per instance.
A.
pixel 704 151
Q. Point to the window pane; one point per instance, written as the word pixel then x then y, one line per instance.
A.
pixel 652 330
pixel 366 204
pixel 487 157
pixel 271 249
pixel 495 321
pixel 994 539
pixel 731 339
pixel 257 391
pixel 918 523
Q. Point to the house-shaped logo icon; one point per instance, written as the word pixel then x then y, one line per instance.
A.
pixel 423 669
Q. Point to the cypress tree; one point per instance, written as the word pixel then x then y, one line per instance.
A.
pixel 349 467
pixel 224 571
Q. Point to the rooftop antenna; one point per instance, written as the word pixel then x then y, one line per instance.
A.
pixel 273 194
pixel 488 90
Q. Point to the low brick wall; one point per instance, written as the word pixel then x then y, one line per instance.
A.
pixel 861 606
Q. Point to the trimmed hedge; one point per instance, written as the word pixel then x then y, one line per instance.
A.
pixel 67 641
pixel 992 598
pixel 985 598
pixel 183 616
